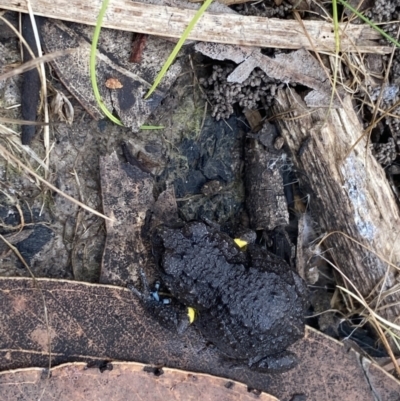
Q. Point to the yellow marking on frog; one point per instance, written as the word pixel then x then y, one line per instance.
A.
pixel 191 312
pixel 241 243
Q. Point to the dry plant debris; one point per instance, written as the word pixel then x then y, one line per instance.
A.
pixel 97 323
pixel 372 81
pixel 119 381
pixel 132 80
pixel 248 86
pixel 219 27
pixel 248 92
pixel 350 201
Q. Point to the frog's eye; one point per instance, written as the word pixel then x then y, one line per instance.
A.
pixel 191 312
pixel 241 243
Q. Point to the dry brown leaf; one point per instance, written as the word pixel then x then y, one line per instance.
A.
pixel 96 323
pixel 62 107
pixel 120 381
pixel 113 83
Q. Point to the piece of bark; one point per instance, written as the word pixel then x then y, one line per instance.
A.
pixel 127 193
pixel 254 119
pixel 112 62
pixel 120 381
pixel 97 323
pixel 138 45
pixel 307 271
pixel 212 27
pixel 265 198
pixel 350 194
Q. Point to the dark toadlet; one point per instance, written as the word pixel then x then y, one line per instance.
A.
pixel 249 304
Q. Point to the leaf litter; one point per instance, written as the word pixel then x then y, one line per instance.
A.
pixel 288 76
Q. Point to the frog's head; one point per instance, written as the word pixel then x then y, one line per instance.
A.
pixel 173 245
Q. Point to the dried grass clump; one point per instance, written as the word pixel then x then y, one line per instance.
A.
pixel 369 307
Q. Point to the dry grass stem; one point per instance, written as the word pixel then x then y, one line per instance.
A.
pixel 374 120
pixel 9 156
pixel 360 244
pixel 22 122
pixel 34 63
pixel 13 139
pixel 381 325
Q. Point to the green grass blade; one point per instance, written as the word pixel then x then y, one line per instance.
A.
pixel 370 23
pixel 336 26
pixel 149 127
pixel 178 46
pixel 92 66
pixel 335 18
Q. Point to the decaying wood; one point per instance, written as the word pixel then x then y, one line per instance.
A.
pixel 265 198
pixel 350 194
pixel 212 27
pixel 127 194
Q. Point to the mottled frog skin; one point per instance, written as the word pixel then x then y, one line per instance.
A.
pixel 249 304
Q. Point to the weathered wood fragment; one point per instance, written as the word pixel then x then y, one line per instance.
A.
pixel 170 22
pixel 127 194
pixel 135 79
pixel 265 198
pixel 351 195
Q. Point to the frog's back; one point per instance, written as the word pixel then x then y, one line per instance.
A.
pixel 249 304
pixel 259 315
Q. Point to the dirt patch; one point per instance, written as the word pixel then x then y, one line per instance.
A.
pixel 63 241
